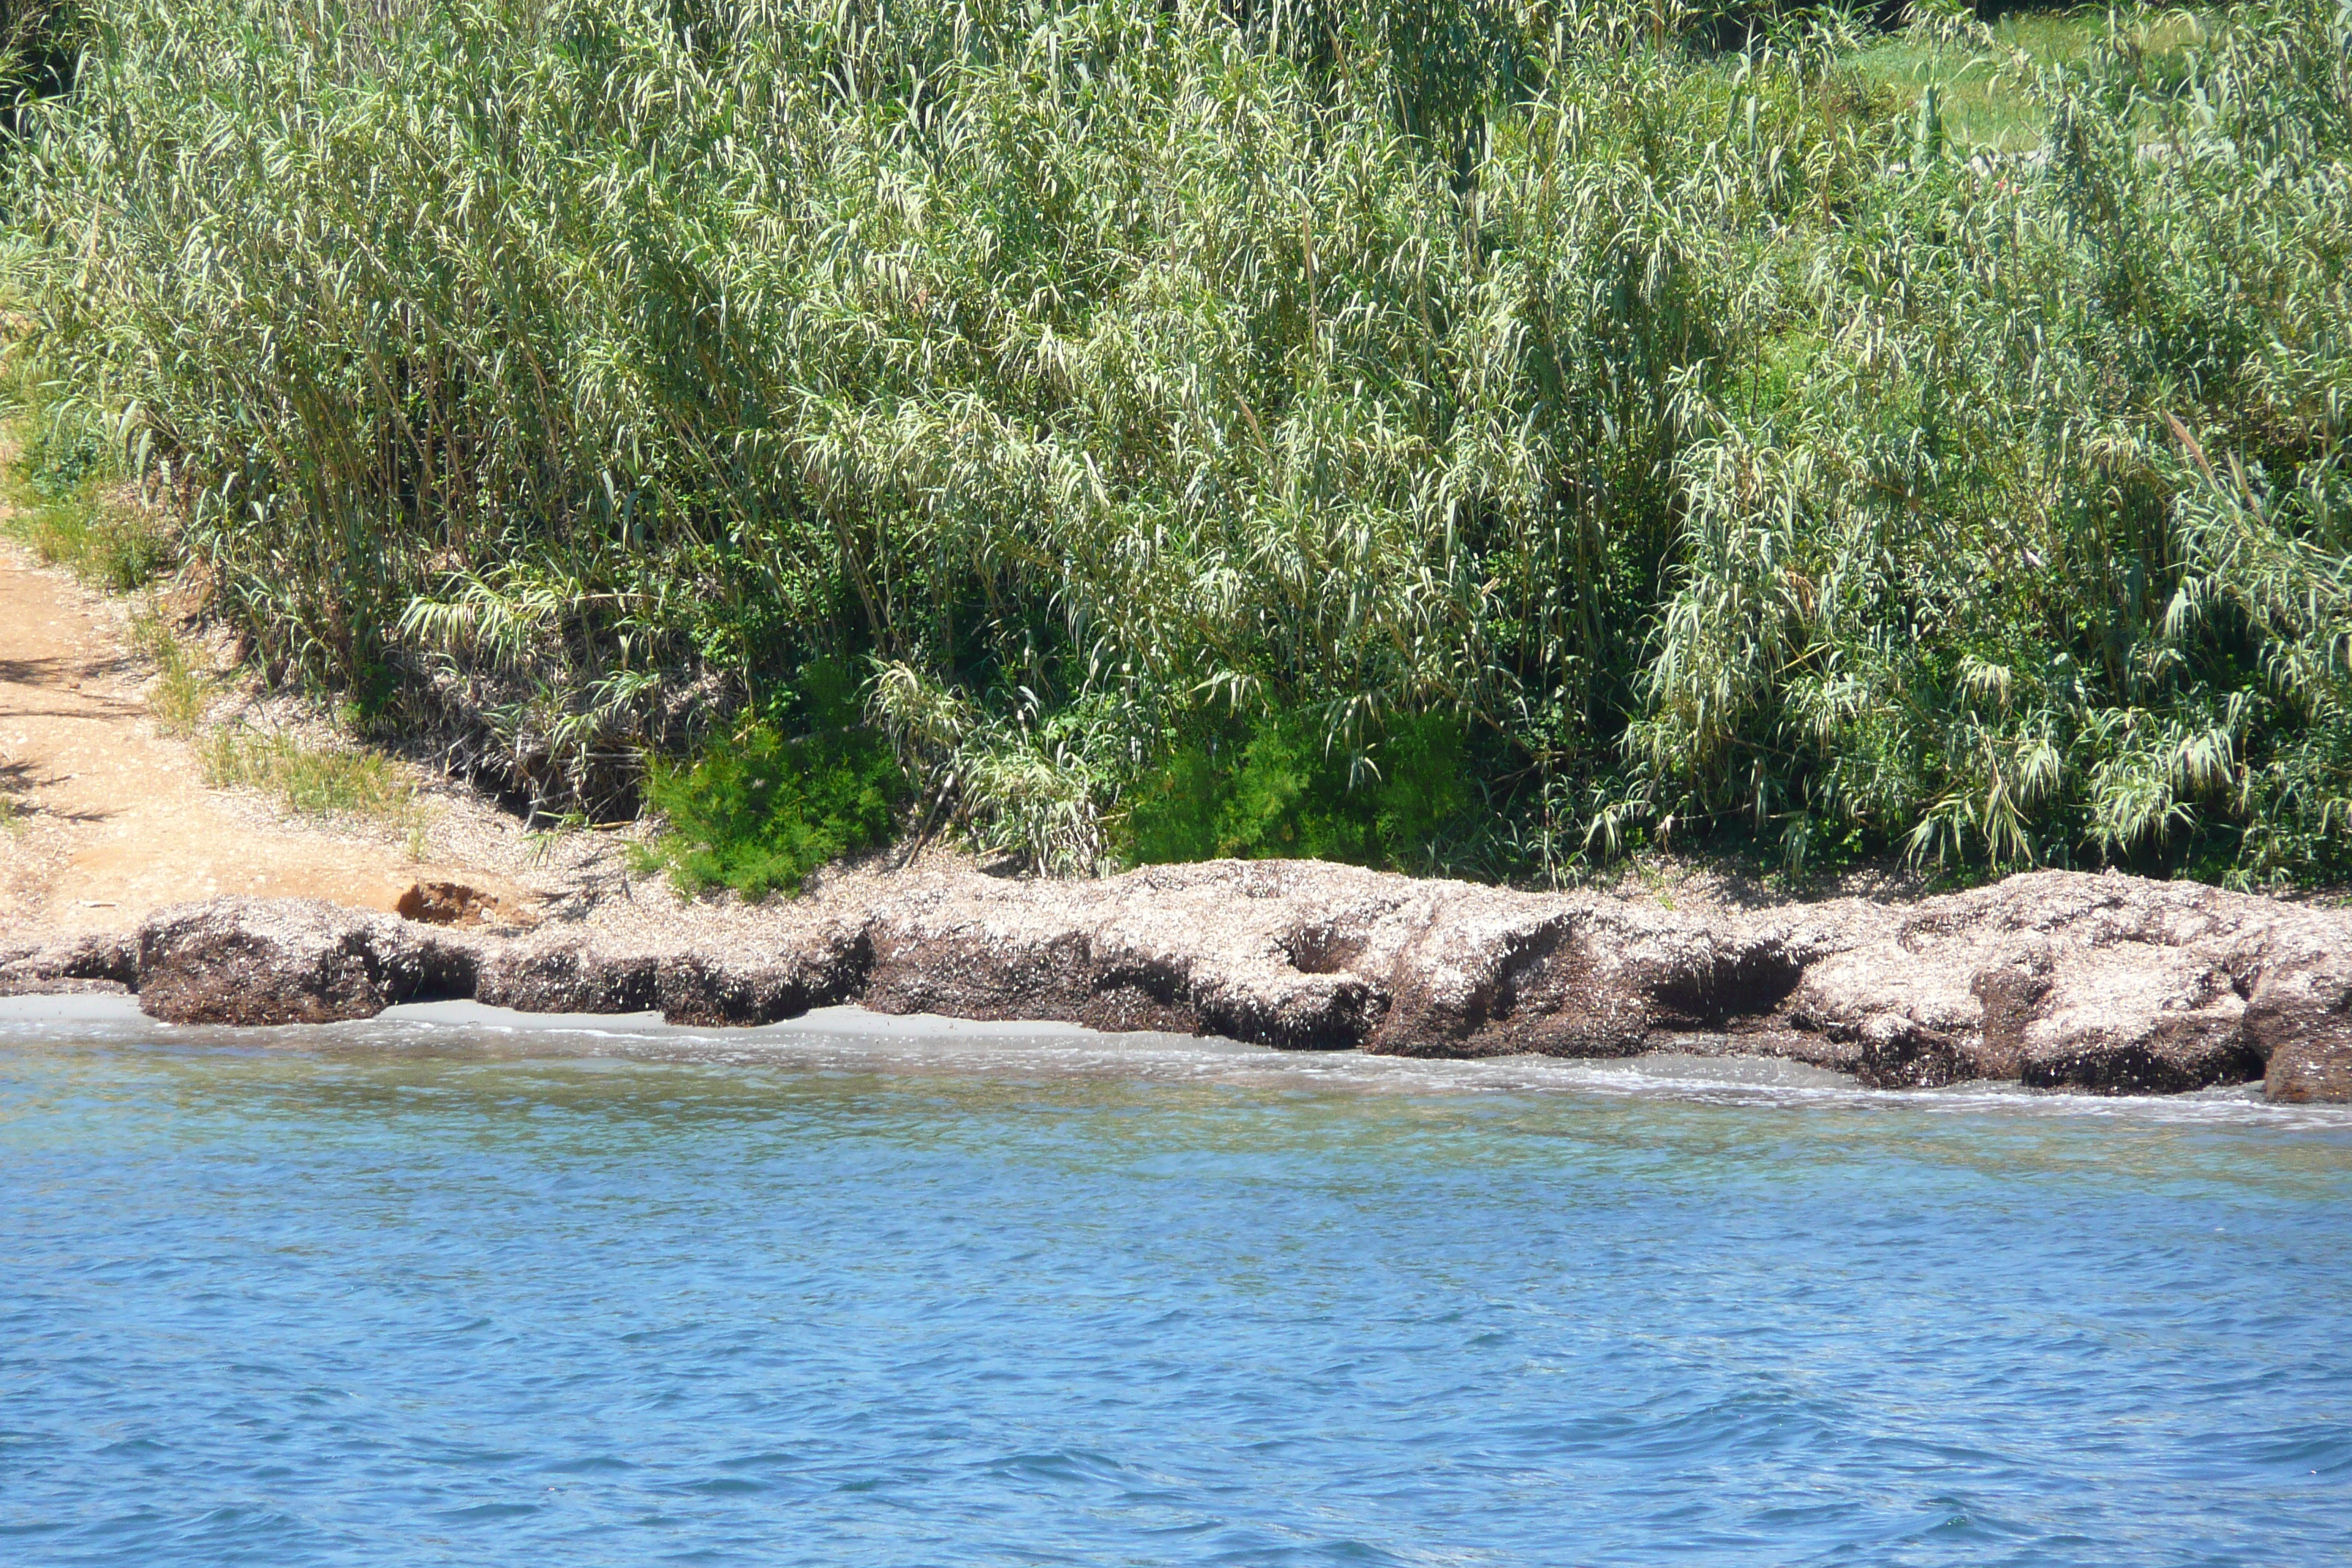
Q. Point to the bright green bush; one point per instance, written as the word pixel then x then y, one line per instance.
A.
pixel 758 811
pixel 1280 790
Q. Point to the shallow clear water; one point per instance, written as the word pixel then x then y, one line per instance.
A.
pixel 438 1292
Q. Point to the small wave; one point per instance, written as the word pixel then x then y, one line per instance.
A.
pixel 852 1039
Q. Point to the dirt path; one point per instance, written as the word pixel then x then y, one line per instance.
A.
pixel 111 819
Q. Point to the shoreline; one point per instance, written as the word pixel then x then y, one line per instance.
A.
pixel 850 1041
pixel 2099 983
pixel 2103 983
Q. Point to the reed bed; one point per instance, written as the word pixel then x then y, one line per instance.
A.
pixel 1677 444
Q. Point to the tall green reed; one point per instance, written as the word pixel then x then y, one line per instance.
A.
pixel 1719 450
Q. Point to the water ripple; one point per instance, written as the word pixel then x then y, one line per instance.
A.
pixel 444 1289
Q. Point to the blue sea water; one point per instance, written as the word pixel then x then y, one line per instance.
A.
pixel 441 1292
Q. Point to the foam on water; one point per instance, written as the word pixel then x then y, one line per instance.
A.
pixel 851 1038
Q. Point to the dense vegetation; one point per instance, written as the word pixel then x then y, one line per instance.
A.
pixel 759 810
pixel 1480 432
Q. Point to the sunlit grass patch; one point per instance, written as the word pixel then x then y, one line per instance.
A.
pixel 102 541
pixel 318 781
pixel 181 691
pixel 61 504
pixel 1985 101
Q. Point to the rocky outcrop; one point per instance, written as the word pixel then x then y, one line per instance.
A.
pixel 102 962
pixel 2299 1020
pixel 2108 984
pixel 567 977
pixel 782 978
pixel 2099 983
pixel 823 968
pixel 1474 973
pixel 1163 948
pixel 290 961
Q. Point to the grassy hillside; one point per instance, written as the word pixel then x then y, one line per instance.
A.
pixel 1432 433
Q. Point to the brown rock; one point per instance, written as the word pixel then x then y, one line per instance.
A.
pixel 17 983
pixel 827 968
pixel 288 961
pixel 2311 1071
pixel 2107 983
pixel 2138 1018
pixel 980 969
pixel 1480 971
pixel 569 977
pixel 1898 1052
pixel 2300 1018
pixel 445 904
pixel 1492 976
pixel 2011 992
pixel 2110 984
pixel 2179 1053
pixel 96 962
pixel 1198 949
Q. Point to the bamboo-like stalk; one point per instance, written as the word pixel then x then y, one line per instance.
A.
pixel 1722 446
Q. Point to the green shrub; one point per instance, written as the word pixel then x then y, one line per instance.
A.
pixel 758 811
pixel 1280 791
pixel 62 459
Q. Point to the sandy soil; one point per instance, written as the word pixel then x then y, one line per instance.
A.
pixel 110 819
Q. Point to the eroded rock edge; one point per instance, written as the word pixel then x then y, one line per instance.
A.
pixel 2098 983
